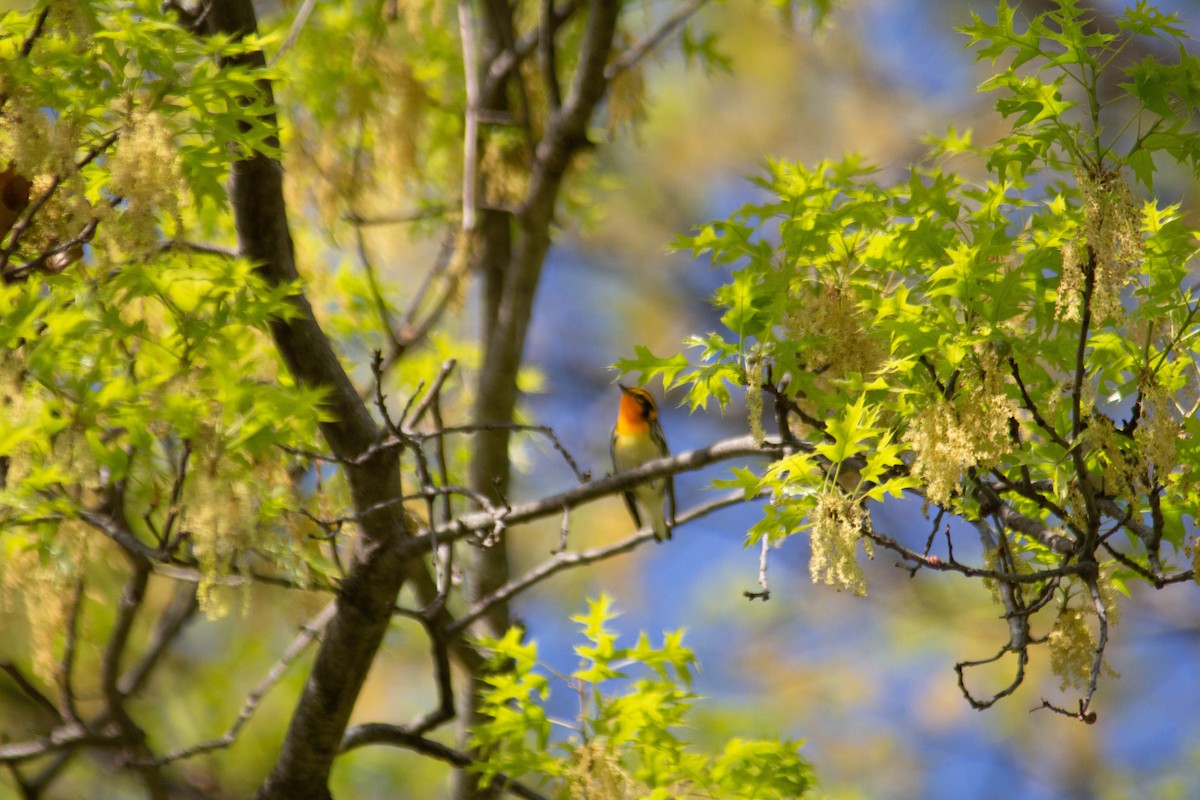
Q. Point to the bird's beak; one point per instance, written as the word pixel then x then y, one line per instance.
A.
pixel 623 388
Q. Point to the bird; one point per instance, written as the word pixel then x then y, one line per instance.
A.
pixel 636 439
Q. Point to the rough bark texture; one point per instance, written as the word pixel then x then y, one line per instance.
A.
pixel 511 266
pixel 366 598
pixel 511 249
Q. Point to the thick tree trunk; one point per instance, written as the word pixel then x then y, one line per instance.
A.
pixel 367 596
pixel 511 267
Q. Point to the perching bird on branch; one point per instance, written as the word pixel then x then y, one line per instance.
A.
pixel 637 438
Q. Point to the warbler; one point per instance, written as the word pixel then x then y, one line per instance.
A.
pixel 637 438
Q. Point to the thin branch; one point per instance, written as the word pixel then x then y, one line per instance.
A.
pixel 581 475
pixel 39 25
pixel 307 634
pixel 508 60
pixel 121 535
pixel 1156 579
pixel 1032 408
pixel 1037 491
pixel 297 26
pixel 201 248
pixel 26 220
pixel 443 556
pixel 379 733
pixel 1018 678
pixel 174 509
pixel 1011 518
pixel 50 772
pixel 466 28
pixel 398 218
pixel 951 565
pixel 66 737
pixel 66 666
pixel 937 524
pixel 381 308
pixel 765 594
pixel 741 446
pixel 785 405
pixel 169 626
pixel 637 52
pixel 569 560
pixel 28 689
pixel 127 608
pixel 1101 644
pixel 1077 423
pixel 548 55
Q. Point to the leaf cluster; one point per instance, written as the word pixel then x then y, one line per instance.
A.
pixel 625 741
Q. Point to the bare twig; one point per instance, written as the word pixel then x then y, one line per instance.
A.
pixel 39 25
pixel 65 737
pixel 63 675
pixel 1083 715
pixel 951 565
pixel 396 736
pixel 28 689
pixel 381 308
pixel 548 55
pixel 443 375
pixel 170 624
pixel 581 475
pixel 443 556
pixel 466 28
pixel 633 55
pixel 307 634
pixel 1032 408
pixel 297 25
pixel 765 593
pixel 201 248
pixel 568 560
pixel 1019 677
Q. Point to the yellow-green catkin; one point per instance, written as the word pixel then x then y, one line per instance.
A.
pixel 754 401
pixel 596 774
pixel 835 528
pixel 146 173
pixel 972 430
pixel 1110 242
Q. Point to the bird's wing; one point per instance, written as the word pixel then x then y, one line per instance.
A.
pixel 670 487
pixel 633 509
pixel 630 503
pixel 671 500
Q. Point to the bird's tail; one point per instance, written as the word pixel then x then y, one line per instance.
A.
pixel 658 521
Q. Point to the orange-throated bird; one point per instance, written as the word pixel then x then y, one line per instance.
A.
pixel 637 438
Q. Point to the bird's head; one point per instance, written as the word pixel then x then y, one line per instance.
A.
pixel 637 411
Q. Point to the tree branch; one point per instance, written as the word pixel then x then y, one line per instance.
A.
pixel 569 560
pixel 633 55
pixel 379 733
pixel 308 632
pixel 368 593
pixel 684 462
